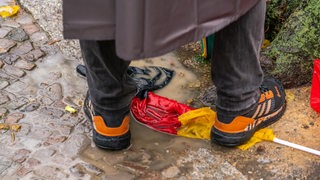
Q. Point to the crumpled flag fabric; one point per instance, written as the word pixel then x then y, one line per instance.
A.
pixel 197 123
pixel 258 136
pixel 158 113
pixel 6 11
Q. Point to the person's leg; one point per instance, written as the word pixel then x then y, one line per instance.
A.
pixel 110 87
pixel 237 74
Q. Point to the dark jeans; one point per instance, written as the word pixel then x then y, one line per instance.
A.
pixel 110 87
pixel 235 66
pixel 236 70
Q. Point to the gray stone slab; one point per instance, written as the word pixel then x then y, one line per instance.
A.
pixel 13 71
pixel 17 103
pixel 39 38
pixel 10 23
pixel 13 118
pixel 4 31
pixel 6 45
pixel 3 99
pixel 9 58
pixel 5 164
pixel 24 48
pixel 3 84
pixel 30 28
pixel 18 34
pixel 26 65
pixel 24 18
pixel 33 55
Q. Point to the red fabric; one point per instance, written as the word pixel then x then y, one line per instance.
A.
pixel 158 113
pixel 315 87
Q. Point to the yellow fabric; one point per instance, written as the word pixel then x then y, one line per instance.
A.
pixel 6 11
pixel 262 134
pixel 204 51
pixel 197 123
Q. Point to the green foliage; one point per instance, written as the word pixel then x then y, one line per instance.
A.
pixel 296 45
pixel 277 13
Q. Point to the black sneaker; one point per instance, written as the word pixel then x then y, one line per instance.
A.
pixel 268 110
pixel 110 138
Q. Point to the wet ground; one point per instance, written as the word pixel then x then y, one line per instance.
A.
pixel 153 152
pixel 55 144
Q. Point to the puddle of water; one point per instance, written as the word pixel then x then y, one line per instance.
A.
pixel 57 69
pixel 163 149
pixel 178 88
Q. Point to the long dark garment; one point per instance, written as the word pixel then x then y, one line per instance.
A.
pixel 147 28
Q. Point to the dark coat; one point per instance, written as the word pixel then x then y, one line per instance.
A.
pixel 147 28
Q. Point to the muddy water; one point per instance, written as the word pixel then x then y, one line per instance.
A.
pixel 181 86
pixel 57 69
pixel 153 150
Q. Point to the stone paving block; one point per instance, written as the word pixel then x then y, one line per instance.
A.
pixel 33 55
pixel 23 171
pixel 53 91
pixel 50 172
pixel 1 63
pixel 24 48
pixel 21 155
pixel 10 23
pixel 5 77
pixel 17 86
pixel 62 128
pixel 75 145
pixel 46 101
pixel 9 58
pixel 52 112
pixel 39 38
pixel 30 28
pixel 80 169
pixel 17 103
pixel 32 162
pixel 13 118
pixel 3 99
pixel 6 45
pixel 5 164
pixel 18 34
pixel 26 65
pixel 31 107
pixel 13 71
pixel 54 140
pixel 24 18
pixel 3 84
pixel 4 31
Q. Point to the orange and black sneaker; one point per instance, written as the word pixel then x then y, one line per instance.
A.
pixel 267 110
pixel 104 136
